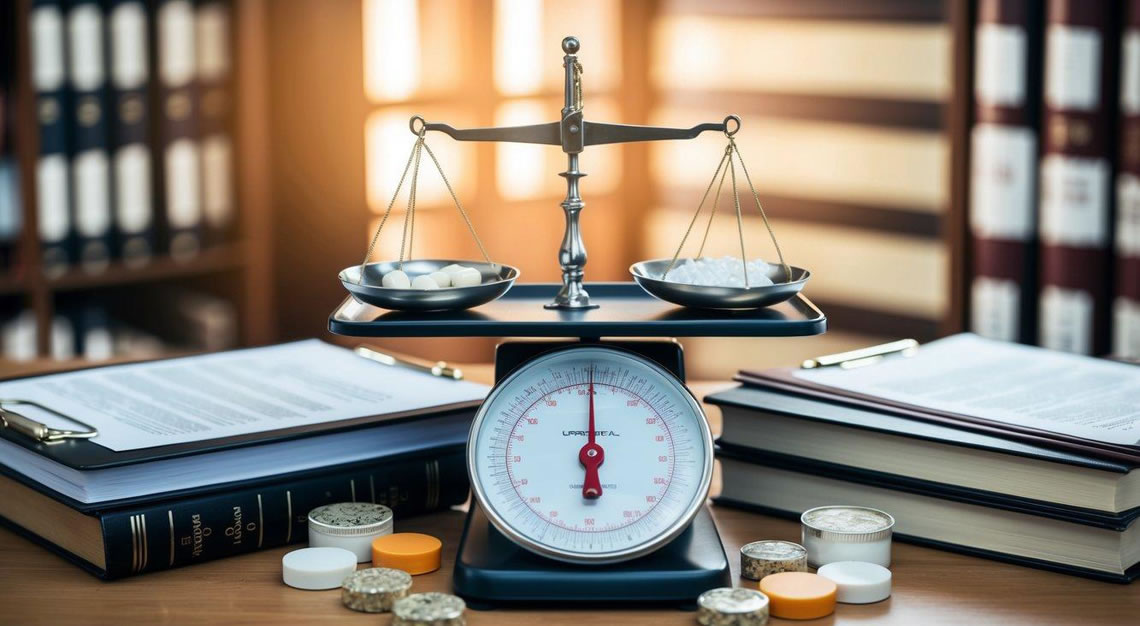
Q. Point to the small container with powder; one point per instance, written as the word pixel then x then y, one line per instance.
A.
pixel 847 533
pixel 771 556
pixel 349 525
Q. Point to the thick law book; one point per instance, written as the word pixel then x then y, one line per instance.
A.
pixel 89 124
pixel 114 540
pixel 859 439
pixel 130 135
pixel 1003 177
pixel 214 48
pixel 1102 547
pixel 1126 303
pixel 176 113
pixel 46 35
pixel 1076 173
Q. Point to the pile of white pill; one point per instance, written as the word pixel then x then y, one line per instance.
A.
pixel 723 272
pixel 453 275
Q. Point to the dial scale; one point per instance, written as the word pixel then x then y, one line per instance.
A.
pixel 590 455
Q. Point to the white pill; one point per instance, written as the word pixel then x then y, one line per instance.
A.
pixel 441 278
pixel 396 279
pixel 317 568
pixel 453 268
pixel 424 282
pixel 468 277
pixel 858 582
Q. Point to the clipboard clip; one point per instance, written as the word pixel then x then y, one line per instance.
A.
pixel 38 431
pixel 862 356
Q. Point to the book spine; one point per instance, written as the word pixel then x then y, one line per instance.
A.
pixel 1003 177
pixel 1126 307
pixel 88 122
pixel 176 120
pixel 195 530
pixel 49 74
pixel 1076 170
pixel 214 46
pixel 130 130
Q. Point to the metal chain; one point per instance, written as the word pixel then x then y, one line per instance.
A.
pixel 455 198
pixel 739 219
pixel 387 212
pixel 410 218
pixel 689 230
pixel 763 214
pixel 577 85
pixel 712 214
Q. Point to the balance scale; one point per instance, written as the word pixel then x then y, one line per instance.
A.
pixel 590 461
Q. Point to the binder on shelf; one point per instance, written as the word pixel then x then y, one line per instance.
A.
pixel 1076 170
pixel 88 119
pixel 176 116
pixel 131 159
pixel 1003 180
pixel 11 216
pixel 1126 305
pixel 214 46
pixel 49 73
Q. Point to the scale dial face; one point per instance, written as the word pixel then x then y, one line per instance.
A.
pixel 550 487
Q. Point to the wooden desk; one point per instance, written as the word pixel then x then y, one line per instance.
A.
pixel 930 587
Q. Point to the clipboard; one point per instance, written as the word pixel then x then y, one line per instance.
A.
pixel 785 381
pixel 75 448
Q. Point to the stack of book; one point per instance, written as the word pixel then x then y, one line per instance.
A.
pixel 992 449
pixel 205 457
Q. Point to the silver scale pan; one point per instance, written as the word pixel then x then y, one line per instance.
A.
pixel 648 274
pixel 497 280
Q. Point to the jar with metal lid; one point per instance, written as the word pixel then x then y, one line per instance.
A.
pixel 847 533
pixel 349 525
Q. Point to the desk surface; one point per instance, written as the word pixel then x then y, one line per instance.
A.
pixel 930 587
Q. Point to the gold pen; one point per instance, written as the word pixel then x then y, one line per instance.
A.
pixel 440 368
pixel 862 356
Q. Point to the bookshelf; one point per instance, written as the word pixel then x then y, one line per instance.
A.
pixel 239 271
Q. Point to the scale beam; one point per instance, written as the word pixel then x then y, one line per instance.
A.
pixel 573 133
pixel 537 133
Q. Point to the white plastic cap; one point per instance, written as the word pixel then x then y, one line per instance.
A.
pixel 858 582
pixel 317 568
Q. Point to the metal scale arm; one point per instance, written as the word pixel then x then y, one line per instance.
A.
pixel 573 133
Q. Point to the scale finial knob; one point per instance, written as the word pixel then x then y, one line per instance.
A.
pixel 570 45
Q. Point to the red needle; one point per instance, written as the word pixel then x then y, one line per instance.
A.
pixel 591 455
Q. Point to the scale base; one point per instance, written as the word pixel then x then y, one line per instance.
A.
pixel 491 572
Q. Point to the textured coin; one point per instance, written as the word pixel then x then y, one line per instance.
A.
pixel 375 590
pixel 429 609
pixel 771 556
pixel 732 607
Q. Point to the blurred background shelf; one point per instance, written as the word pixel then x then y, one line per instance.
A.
pixel 857 123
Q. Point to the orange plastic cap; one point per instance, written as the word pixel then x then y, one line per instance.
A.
pixel 799 595
pixel 414 553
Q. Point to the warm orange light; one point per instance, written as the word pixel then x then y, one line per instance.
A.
pixel 518 46
pixel 391 49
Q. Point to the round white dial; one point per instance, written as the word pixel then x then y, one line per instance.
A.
pixel 611 491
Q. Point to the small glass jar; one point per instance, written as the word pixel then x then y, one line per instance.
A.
pixel 349 525
pixel 846 533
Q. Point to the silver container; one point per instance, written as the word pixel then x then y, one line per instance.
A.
pixel 648 274
pixel 498 279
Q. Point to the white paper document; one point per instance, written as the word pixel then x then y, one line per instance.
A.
pixel 1004 382
pixel 157 403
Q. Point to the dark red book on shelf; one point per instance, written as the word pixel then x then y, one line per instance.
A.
pixel 1003 178
pixel 1126 306
pixel 1076 172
